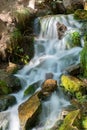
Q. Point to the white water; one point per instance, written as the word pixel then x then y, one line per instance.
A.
pixel 51 56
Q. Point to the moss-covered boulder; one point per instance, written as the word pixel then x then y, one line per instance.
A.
pixel 8 82
pixel 4 88
pixel 72 5
pixel 80 14
pixel 29 112
pixel 32 88
pixel 71 84
pixel 72 121
pixel 6 101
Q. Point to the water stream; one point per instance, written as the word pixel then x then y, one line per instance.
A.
pixel 51 56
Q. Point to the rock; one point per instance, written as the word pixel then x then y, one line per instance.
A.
pixel 80 14
pixel 61 28
pixel 73 70
pixel 6 101
pixel 49 86
pixel 58 7
pixel 4 120
pixel 71 121
pixel 71 5
pixel 49 76
pixel 32 88
pixel 8 82
pixel 71 84
pixel 29 112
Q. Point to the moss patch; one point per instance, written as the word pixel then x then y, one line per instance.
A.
pixel 80 14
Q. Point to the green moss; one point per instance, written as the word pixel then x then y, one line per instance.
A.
pixel 29 90
pixel 83 57
pixel 71 83
pixel 84 123
pixel 80 14
pixel 75 36
pixel 71 121
pixel 4 89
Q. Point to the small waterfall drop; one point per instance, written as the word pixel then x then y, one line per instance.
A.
pixel 51 56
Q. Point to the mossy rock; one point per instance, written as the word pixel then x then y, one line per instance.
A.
pixel 32 88
pixel 71 84
pixel 6 102
pixel 80 14
pixel 71 121
pixel 4 89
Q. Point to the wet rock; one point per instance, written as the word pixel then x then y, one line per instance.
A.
pixel 73 70
pixel 71 5
pixel 6 101
pixel 61 28
pixel 49 86
pixel 49 76
pixel 4 120
pixel 32 88
pixel 29 112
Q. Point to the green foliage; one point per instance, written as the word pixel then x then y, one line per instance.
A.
pixel 71 121
pixel 84 122
pixel 83 57
pixel 4 89
pixel 22 15
pixel 75 36
pixel 80 14
pixel 15 49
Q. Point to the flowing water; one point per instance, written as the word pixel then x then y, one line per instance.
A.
pixel 51 56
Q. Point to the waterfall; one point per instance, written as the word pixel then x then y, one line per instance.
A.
pixel 51 56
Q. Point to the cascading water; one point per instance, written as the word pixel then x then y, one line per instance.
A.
pixel 51 56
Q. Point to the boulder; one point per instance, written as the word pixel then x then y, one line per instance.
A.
pixel 6 101
pixel 73 70
pixel 32 88
pixel 80 14
pixel 29 112
pixel 71 84
pixel 49 76
pixel 71 5
pixel 49 86
pixel 8 82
